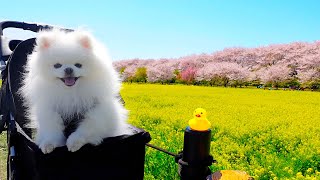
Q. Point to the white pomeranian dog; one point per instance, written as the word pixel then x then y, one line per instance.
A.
pixel 69 75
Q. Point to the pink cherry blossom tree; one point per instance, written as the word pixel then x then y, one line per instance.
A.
pixel 275 75
pixel 128 73
pixel 160 73
pixel 188 75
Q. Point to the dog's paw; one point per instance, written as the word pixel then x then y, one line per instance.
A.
pixel 46 147
pixel 75 142
pixel 49 143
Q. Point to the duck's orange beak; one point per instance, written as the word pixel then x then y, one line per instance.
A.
pixel 198 115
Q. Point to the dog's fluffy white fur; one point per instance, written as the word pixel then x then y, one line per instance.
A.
pixel 5 46
pixel 67 75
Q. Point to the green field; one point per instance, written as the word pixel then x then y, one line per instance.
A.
pixel 271 134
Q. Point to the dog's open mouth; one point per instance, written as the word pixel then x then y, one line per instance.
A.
pixel 69 81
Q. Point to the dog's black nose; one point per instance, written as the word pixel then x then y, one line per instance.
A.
pixel 68 70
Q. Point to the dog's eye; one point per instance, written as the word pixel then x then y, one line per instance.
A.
pixel 58 65
pixel 78 65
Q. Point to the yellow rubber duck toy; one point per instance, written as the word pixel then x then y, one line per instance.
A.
pixel 199 121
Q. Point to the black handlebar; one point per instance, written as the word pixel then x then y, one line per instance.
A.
pixel 21 25
pixel 24 26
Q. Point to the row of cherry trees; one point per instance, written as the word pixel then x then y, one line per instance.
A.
pixel 285 65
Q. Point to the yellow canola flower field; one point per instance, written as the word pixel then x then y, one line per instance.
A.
pixel 270 134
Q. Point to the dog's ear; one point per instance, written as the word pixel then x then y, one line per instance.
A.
pixel 43 41
pixel 85 40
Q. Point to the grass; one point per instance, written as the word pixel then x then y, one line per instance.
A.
pixel 269 134
pixel 3 156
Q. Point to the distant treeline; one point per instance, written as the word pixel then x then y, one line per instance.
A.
pixel 295 65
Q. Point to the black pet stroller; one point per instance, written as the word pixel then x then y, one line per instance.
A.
pixel 117 158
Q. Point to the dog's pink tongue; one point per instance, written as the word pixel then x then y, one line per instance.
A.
pixel 69 81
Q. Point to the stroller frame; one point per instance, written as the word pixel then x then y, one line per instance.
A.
pixel 12 127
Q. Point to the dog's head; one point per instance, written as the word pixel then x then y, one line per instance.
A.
pixel 65 58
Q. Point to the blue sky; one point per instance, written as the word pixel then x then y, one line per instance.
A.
pixel 173 28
